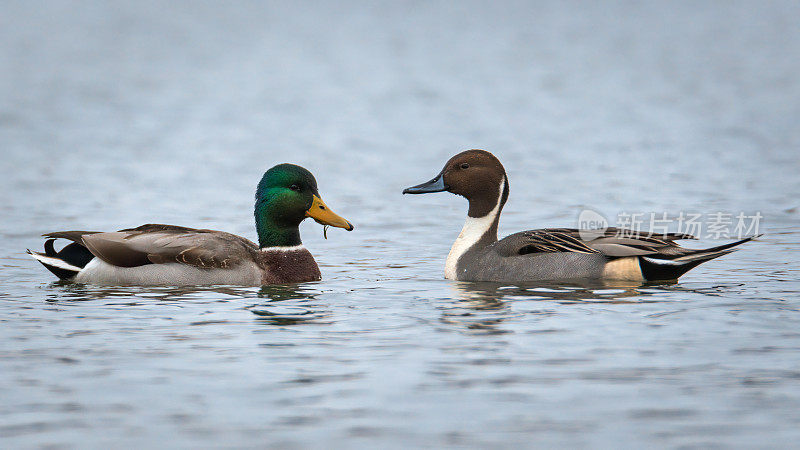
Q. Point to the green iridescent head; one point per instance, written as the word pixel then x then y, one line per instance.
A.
pixel 285 196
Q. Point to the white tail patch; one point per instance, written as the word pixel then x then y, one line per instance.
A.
pixel 54 262
pixel 474 228
pixel 664 262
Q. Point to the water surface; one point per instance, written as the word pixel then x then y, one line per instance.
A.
pixel 117 114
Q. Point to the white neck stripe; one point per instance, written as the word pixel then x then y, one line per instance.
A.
pixel 474 228
pixel 283 249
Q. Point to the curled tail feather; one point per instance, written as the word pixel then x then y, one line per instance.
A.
pixel 64 264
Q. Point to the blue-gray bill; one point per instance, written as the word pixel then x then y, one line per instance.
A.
pixel 435 185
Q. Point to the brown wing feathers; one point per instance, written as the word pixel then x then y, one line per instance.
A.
pixel 195 256
pixel 112 248
pixel 159 244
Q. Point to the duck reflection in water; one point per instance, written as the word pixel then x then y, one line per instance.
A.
pixel 482 307
pixel 605 291
pixel 288 304
pixel 137 295
pixel 282 292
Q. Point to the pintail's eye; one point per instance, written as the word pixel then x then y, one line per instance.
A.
pixel 465 165
pixel 295 188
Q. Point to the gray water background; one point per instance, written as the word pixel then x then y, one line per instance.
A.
pixel 114 114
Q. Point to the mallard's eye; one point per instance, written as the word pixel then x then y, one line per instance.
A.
pixel 295 188
pixel 465 165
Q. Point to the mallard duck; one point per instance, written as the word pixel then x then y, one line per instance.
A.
pixel 156 254
pixel 550 253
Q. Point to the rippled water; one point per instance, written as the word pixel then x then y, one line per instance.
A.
pixel 117 114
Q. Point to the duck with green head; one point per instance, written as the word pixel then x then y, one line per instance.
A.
pixel 156 254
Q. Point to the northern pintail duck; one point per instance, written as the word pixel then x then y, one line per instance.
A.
pixel 156 254
pixel 550 253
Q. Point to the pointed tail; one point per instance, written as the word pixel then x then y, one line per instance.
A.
pixel 663 269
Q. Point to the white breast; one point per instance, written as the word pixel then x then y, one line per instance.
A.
pixel 474 228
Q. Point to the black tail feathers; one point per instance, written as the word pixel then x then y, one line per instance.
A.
pixel 65 263
pixel 664 269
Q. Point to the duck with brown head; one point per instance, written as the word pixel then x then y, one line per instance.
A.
pixel 549 253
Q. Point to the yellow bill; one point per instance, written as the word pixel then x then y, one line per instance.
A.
pixel 323 215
